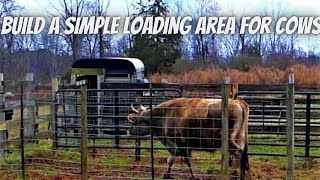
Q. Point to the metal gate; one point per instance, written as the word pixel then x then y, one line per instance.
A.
pixel 107 113
pixel 138 157
pixel 267 123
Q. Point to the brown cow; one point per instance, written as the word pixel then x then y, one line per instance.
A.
pixel 186 124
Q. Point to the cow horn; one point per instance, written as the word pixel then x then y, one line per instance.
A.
pixel 143 108
pixel 133 109
pixel 130 120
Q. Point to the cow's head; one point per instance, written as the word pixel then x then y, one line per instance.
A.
pixel 140 121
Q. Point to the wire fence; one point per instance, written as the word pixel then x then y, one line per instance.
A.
pixel 53 150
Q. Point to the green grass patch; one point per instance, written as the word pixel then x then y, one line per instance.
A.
pixel 105 161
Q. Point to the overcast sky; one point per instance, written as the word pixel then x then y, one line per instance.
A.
pixel 250 7
pixel 294 7
pixel 227 7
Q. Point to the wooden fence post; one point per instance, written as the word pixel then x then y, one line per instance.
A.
pixel 72 79
pixel 290 127
pixel 84 132
pixel 29 86
pixel 3 143
pixel 225 94
pixel 100 79
pixel 54 88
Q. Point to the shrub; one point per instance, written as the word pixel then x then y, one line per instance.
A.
pixel 304 76
pixel 245 63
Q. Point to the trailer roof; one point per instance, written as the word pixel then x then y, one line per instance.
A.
pixel 112 64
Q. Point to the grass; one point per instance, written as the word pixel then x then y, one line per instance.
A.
pixel 44 164
pixel 282 140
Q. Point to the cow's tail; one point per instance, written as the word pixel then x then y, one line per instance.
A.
pixel 244 162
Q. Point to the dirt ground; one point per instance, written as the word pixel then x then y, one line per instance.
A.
pixel 259 170
pixel 44 167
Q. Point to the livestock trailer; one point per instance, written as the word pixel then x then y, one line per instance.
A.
pixel 96 72
pixel 114 70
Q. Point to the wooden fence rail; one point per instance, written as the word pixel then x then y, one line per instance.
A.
pixel 28 106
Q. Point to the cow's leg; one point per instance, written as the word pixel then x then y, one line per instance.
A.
pixel 186 154
pixel 172 148
pixel 235 158
pixel 170 161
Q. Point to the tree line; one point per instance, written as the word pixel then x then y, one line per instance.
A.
pixel 52 55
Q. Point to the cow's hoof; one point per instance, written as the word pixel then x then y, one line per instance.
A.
pixel 192 177
pixel 234 175
pixel 167 176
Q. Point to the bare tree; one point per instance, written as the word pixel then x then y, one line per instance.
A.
pixel 72 8
pixel 101 9
pixel 176 6
pixel 7 7
pixel 97 44
pixel 204 47
pixel 55 45
pixel 237 43
pixel 275 42
pixel 7 41
pixel 128 38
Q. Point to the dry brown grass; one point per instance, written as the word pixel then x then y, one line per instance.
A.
pixel 304 76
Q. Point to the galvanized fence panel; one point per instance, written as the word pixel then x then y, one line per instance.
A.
pixel 113 155
pixel 267 122
pixel 134 156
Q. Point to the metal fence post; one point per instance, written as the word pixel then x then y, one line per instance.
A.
pixel 138 149
pixel 308 125
pixel 290 127
pixel 84 132
pixel 225 129
pixel 3 133
pixel 22 136
pixel 151 132
pixel 116 119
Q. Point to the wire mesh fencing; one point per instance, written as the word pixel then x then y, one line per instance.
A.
pixel 28 114
pixel 54 149
pixel 136 156
pixel 267 124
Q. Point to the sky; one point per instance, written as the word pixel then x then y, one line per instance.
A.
pixel 227 8
pixel 250 7
pixel 41 7
pixel 293 7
